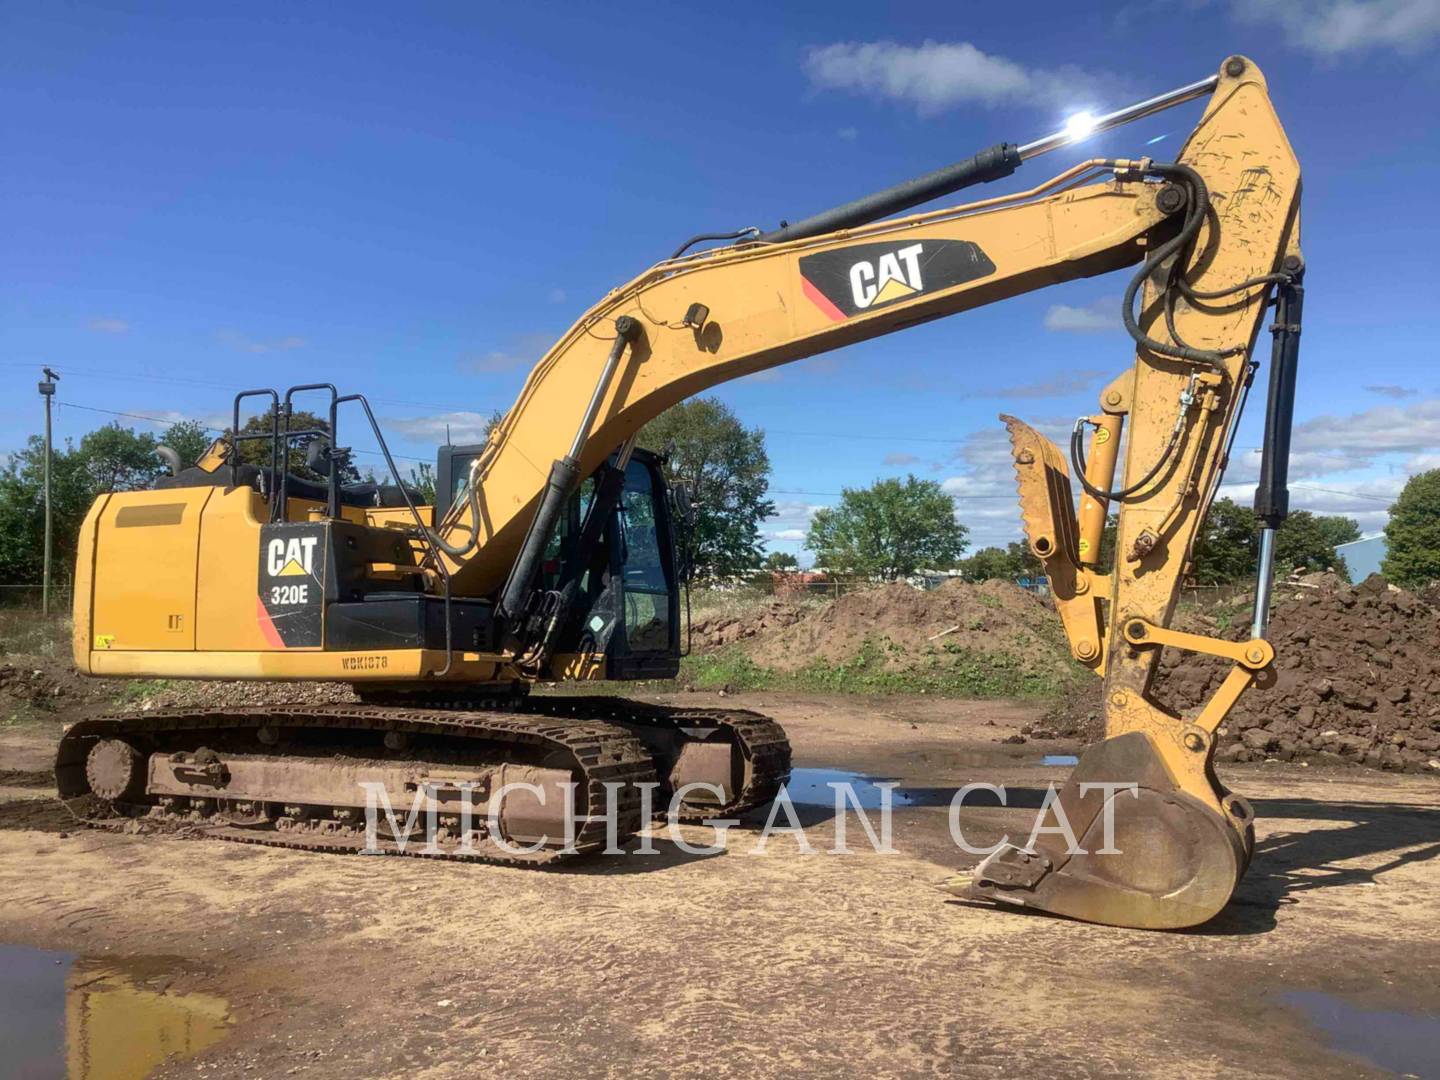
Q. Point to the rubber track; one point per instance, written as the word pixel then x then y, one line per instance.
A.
pixel 602 751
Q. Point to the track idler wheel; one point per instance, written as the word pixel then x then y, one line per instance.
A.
pixel 115 770
pixel 1169 860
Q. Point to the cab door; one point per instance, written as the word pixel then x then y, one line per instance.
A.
pixel 647 642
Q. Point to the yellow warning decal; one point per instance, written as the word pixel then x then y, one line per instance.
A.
pixel 104 641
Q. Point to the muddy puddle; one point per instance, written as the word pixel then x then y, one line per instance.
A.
pixel 1403 1042
pixel 812 787
pixel 66 1017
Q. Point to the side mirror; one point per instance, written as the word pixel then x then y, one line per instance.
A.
pixel 684 504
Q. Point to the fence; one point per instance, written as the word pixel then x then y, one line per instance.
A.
pixel 833 586
pixel 28 597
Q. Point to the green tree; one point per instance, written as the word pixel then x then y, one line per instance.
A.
pixel 1308 541
pixel 110 458
pixel 119 459
pixel 1009 563
pixel 189 438
pixel 1412 536
pixel 1227 548
pixel 1107 542
pixel 493 419
pixel 781 560
pixel 987 564
pixel 422 479
pixel 888 530
pixel 257 451
pixel 728 471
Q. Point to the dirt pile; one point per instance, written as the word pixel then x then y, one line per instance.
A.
pixel 1357 679
pixel 26 686
pixel 989 639
pixel 31 684
pixel 717 629
pixel 990 617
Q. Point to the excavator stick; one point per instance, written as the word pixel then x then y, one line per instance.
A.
pixel 1143 834
pixel 1121 842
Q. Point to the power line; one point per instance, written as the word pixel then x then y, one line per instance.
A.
pixel 170 422
pixel 1351 494
pixel 167 422
pixel 841 494
pixel 846 435
pixel 137 376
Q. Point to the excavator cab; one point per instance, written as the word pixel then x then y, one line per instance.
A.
pixel 625 622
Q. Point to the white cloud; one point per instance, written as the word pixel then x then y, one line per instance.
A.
pixel 1367 501
pixel 1060 385
pixel 1304 464
pixel 938 75
pixel 849 134
pixel 986 500
pixel 556 296
pixel 1330 28
pixel 1100 317
pixel 1396 392
pixel 463 427
pixel 110 326
pixel 239 341
pixel 899 458
pixel 791 520
pixel 523 350
pixel 1362 437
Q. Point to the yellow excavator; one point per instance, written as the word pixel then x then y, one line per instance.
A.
pixel 550 551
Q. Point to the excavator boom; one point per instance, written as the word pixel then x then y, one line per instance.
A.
pixel 1215 231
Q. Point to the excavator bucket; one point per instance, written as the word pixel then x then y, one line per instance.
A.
pixel 1120 843
pixel 1141 834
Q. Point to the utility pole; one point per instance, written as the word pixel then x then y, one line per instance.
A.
pixel 47 391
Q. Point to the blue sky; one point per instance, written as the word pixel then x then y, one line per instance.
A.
pixel 413 200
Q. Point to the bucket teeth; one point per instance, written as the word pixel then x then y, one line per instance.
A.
pixel 1046 504
pixel 957 884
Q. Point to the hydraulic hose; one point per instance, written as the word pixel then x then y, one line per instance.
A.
pixel 1077 461
pixel 454 550
pixel 1196 204
pixel 700 238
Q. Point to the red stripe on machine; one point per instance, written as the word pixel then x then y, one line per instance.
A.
pixel 267 625
pixel 821 300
